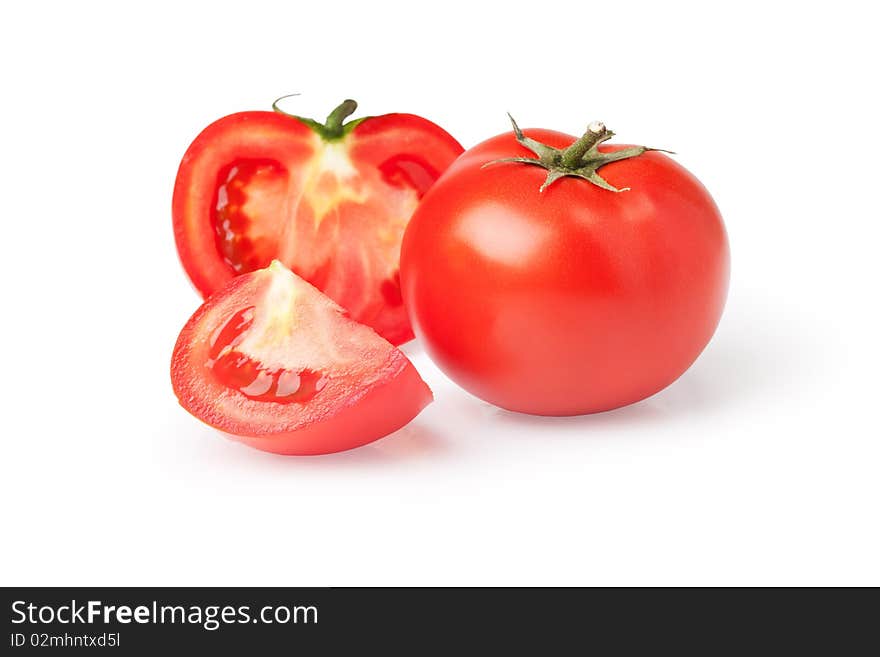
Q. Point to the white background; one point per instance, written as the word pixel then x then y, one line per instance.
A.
pixel 759 466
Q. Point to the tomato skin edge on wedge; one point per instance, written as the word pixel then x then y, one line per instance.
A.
pixel 256 186
pixel 371 391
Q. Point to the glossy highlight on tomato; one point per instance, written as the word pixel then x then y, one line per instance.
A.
pixel 275 363
pixel 539 288
pixel 331 202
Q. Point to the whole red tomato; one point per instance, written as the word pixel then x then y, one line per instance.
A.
pixel 550 275
pixel 329 200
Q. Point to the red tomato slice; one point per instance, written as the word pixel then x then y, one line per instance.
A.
pixel 333 207
pixel 277 364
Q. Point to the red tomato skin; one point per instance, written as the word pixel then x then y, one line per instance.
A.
pixel 571 301
pixel 364 417
pixel 261 135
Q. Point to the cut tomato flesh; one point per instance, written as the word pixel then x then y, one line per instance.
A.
pixel 406 170
pixel 337 224
pixel 257 186
pixel 239 371
pixel 276 363
pixel 248 200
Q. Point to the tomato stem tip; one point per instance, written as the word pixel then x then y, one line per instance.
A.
pixel 335 119
pixel 334 127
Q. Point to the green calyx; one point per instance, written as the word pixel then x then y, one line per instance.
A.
pixel 582 159
pixel 334 127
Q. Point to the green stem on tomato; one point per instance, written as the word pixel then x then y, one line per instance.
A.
pixel 334 127
pixel 572 156
pixel 582 159
pixel 333 124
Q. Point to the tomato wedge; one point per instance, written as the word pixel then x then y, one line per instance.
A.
pixel 330 201
pixel 277 364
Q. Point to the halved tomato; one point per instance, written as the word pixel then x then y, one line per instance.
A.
pixel 277 364
pixel 331 201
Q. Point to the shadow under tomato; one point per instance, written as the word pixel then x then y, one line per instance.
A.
pixel 413 442
pixel 644 412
